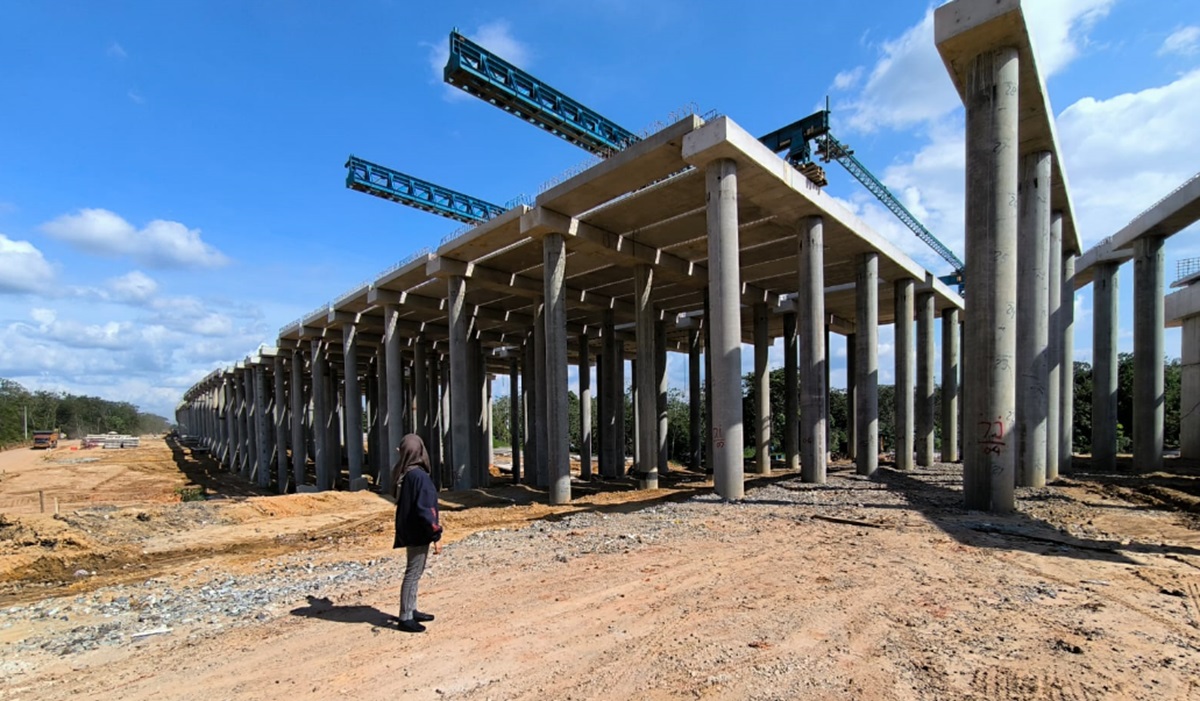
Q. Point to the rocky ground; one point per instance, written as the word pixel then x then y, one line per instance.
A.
pixel 871 588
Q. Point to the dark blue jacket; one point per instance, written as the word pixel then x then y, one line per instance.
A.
pixel 416 510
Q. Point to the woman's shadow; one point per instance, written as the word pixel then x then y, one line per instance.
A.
pixel 324 609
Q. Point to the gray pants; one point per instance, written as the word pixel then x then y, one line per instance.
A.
pixel 412 574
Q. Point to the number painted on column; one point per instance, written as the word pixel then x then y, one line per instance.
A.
pixel 992 441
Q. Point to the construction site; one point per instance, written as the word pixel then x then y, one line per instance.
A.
pixel 978 557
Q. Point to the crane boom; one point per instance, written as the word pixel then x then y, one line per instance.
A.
pixel 393 185
pixel 487 76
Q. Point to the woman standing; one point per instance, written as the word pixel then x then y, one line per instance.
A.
pixel 417 524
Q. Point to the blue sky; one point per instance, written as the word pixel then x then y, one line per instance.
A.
pixel 171 180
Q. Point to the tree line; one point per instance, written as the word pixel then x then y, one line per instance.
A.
pixel 679 416
pixel 74 415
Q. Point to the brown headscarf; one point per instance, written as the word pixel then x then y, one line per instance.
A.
pixel 411 453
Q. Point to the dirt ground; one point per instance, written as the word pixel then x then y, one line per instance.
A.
pixel 879 588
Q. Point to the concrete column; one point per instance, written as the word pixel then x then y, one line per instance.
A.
pixel 514 418
pixel 813 333
pixel 904 402
pixel 950 384
pixel 601 409
pixel 352 407
pixel 867 367
pixel 709 457
pixel 1148 353
pixel 1066 393
pixel 694 398
pixel 585 409
pixel 237 451
pixel 262 426
pixel 444 424
pixel 1033 299
pixel 1104 367
pixel 558 434
pixel 724 285
pixel 250 466
pixel 791 392
pixel 371 400
pixel 296 397
pixel 321 400
pixel 646 406
pixel 660 377
pixel 925 399
pixel 281 426
pixel 606 369
pixel 383 457
pixel 229 403
pixel 634 413
pixel 529 400
pixel 1054 347
pixel 488 412
pixel 989 349
pixel 421 388
pixel 394 377
pixel 541 427
pixel 1189 390
pixel 480 458
pixel 762 385
pixel 437 420
pixel 619 404
pixel 460 386
pixel 333 426
pixel 852 422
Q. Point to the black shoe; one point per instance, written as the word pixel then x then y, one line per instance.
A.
pixel 410 626
pixel 422 617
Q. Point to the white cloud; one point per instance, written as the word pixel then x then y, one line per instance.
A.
pixel 23 268
pixel 495 36
pixel 1124 153
pixel 909 85
pixel 135 97
pixel 1060 29
pixel 846 80
pixel 116 51
pixel 160 243
pixel 135 287
pixel 1184 41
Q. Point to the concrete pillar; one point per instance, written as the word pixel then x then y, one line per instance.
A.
pixel 296 397
pixel 229 405
pixel 1054 347
pixel 421 389
pixel 694 398
pixel 1104 367
pixel 925 399
pixel 237 451
pixel 950 384
pixel 541 428
pixel 394 377
pixel 791 392
pixel 250 465
pixel 438 422
pixel 606 370
pixel 708 387
pixel 634 413
pixel 619 405
pixel 867 368
pixel 1033 299
pixel 852 422
pixel 530 412
pixel 383 457
pixel 514 418
pixel 646 407
pixel 480 457
pixel 585 408
pixel 352 411
pixel 281 425
pixel 557 415
pixel 813 333
pixel 904 402
pixel 989 349
pixel 724 285
pixel 444 423
pixel 1066 393
pixel 371 400
pixel 262 427
pixel 762 385
pixel 1189 390
pixel 1148 354
pixel 489 415
pixel 660 377
pixel 460 386
pixel 320 389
